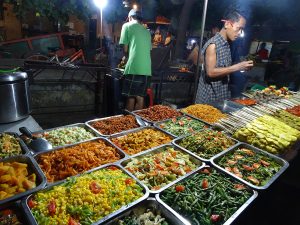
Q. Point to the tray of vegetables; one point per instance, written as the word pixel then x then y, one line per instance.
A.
pixel 91 198
pixel 11 144
pixel 157 113
pixel 141 139
pixel 180 126
pixel 113 125
pixel 161 167
pixel 252 166
pixel 207 197
pixel 63 162
pixel 66 135
pixel 20 176
pixel 12 214
pixel 148 212
pixel 205 144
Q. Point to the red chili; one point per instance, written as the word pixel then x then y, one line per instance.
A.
pixel 204 183
pixel 31 203
pixel 73 222
pixel 179 188
pixel 128 181
pixel 52 208
pixel 215 218
pixel 95 188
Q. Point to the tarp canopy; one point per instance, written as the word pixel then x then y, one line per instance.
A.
pixel 160 20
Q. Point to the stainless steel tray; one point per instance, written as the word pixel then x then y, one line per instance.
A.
pixel 108 142
pixel 71 125
pixel 142 207
pixel 158 150
pixel 137 130
pixel 16 209
pixel 157 125
pixel 279 160
pixel 23 146
pixel 207 160
pixel 88 123
pixel 230 219
pixel 103 220
pixel 146 120
pixel 226 106
pixel 32 167
pixel 243 98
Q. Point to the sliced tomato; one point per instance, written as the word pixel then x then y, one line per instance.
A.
pixel 181 123
pixel 179 188
pixel 128 181
pixel 31 203
pixel 214 218
pixel 95 187
pixel 204 183
pixel 73 222
pixel 52 208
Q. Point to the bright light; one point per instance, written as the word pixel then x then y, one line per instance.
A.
pixel 135 6
pixel 100 3
pixel 242 34
pixel 193 41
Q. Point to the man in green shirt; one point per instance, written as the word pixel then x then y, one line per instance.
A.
pixel 137 46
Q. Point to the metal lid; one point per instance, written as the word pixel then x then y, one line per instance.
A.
pixel 8 77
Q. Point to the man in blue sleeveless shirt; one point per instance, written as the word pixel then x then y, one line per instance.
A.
pixel 213 83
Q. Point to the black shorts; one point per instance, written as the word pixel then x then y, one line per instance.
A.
pixel 135 85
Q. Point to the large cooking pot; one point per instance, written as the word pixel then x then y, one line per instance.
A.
pixel 14 96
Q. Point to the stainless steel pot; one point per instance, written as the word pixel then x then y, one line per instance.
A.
pixel 14 96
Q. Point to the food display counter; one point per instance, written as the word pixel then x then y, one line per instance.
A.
pixel 187 166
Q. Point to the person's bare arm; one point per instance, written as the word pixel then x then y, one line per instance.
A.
pixel 215 72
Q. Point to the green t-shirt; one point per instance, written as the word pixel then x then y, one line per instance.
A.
pixel 138 39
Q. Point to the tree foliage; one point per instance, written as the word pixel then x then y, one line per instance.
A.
pixel 54 10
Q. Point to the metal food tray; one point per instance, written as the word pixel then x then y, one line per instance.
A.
pixel 230 219
pixel 108 142
pixel 103 220
pixel 71 125
pixel 146 120
pixel 161 149
pixel 242 98
pixel 175 142
pixel 226 106
pixel 157 125
pixel 279 160
pixel 125 133
pixel 17 210
pixel 23 146
pixel 142 207
pixel 32 167
pixel 88 124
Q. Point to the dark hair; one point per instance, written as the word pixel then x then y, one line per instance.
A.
pixel 233 15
